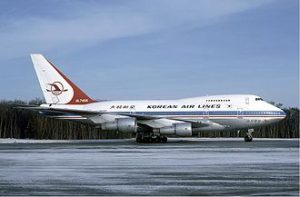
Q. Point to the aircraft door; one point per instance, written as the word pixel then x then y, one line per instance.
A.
pixel 132 109
pixel 206 113
pixel 247 100
pixel 240 113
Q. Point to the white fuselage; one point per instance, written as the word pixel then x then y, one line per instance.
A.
pixel 220 112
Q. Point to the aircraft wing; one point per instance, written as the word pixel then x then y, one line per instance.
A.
pixel 99 117
pixel 57 110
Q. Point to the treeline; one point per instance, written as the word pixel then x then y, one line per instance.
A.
pixel 20 123
pixel 17 123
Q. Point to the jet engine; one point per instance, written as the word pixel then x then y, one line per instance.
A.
pixel 180 129
pixel 127 125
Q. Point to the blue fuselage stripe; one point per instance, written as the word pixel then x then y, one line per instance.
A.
pixel 213 113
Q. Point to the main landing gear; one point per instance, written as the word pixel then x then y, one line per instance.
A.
pixel 148 138
pixel 248 137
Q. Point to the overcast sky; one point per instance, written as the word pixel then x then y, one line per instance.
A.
pixel 154 49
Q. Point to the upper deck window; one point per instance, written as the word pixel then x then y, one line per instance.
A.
pixel 258 99
pixel 218 100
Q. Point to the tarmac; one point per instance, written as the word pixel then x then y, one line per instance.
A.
pixel 183 166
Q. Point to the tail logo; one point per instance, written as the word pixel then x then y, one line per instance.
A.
pixel 56 88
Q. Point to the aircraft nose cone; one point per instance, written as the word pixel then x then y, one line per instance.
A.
pixel 284 114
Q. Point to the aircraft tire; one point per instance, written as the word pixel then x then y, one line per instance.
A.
pixel 157 140
pixel 164 139
pixel 142 139
pixel 139 138
pixel 248 138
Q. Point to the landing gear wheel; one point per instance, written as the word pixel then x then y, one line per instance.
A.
pixel 139 138
pixel 157 140
pixel 142 138
pixel 248 138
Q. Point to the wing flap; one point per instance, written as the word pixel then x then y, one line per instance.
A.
pixel 159 123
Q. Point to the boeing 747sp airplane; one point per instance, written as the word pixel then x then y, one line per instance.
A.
pixel 151 120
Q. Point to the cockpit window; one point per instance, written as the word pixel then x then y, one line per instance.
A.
pixel 258 99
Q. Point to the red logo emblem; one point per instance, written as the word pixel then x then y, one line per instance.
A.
pixel 56 88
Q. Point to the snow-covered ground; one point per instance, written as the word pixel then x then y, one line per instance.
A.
pixel 185 166
pixel 46 141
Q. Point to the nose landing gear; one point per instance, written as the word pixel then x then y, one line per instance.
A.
pixel 248 137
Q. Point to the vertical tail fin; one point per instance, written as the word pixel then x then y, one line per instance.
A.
pixel 56 87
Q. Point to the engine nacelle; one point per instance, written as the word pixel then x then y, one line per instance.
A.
pixel 180 129
pixel 127 125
